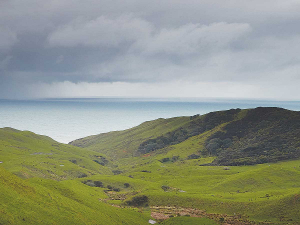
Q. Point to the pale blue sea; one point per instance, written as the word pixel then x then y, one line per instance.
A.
pixel 65 120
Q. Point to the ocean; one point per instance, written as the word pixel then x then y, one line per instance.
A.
pixel 65 120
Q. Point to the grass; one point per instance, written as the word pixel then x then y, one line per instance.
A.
pixel 252 191
pixel 29 155
pixel 42 181
pixel 40 201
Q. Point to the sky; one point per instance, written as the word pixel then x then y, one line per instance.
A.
pixel 158 48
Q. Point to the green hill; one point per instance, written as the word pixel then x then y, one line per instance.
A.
pixel 228 167
pixel 234 137
pixel 119 144
pixel 29 155
pixel 40 201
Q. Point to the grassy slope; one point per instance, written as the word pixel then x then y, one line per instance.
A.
pixel 263 192
pixel 235 137
pixel 40 201
pixel 125 143
pixel 29 155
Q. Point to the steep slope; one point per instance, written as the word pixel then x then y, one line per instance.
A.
pixel 29 155
pixel 235 137
pixel 263 135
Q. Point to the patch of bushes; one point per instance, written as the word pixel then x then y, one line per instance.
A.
pixel 193 156
pixel 73 161
pixel 93 183
pixel 165 160
pixel 165 188
pixel 98 183
pixel 81 175
pixel 89 183
pixel 138 201
pixel 197 125
pixel 116 172
pixel 116 189
pixel 101 160
pixel 111 188
pixel 263 135
pixel 173 159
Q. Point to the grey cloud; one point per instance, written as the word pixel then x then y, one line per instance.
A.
pixel 101 32
pixel 7 38
pixel 193 38
pixel 4 62
pixel 134 41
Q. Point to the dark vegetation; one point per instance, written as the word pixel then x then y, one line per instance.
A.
pixel 167 159
pixel 165 187
pixel 248 137
pixel 263 135
pixel 100 184
pixel 93 183
pixel 116 172
pixel 138 201
pixel 101 160
pixel 196 126
pixel 193 156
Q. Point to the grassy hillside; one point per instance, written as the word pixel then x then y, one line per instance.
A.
pixel 264 192
pixel 125 143
pixel 234 137
pixel 188 175
pixel 40 201
pixel 29 155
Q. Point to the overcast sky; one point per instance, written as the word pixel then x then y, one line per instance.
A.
pixel 157 48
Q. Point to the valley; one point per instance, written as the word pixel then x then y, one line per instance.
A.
pixel 226 167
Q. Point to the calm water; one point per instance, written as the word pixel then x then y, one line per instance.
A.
pixel 65 120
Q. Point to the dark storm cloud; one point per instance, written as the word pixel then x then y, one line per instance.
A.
pixel 62 43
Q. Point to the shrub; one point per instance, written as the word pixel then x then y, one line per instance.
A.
pixel 73 161
pixel 116 172
pixel 101 163
pixel 193 156
pixel 98 183
pixel 116 189
pixel 126 185
pixel 165 160
pixel 175 158
pixel 136 201
pixel 165 188
pixel 81 175
pixel 90 183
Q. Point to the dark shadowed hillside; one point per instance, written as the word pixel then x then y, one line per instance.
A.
pixel 263 135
